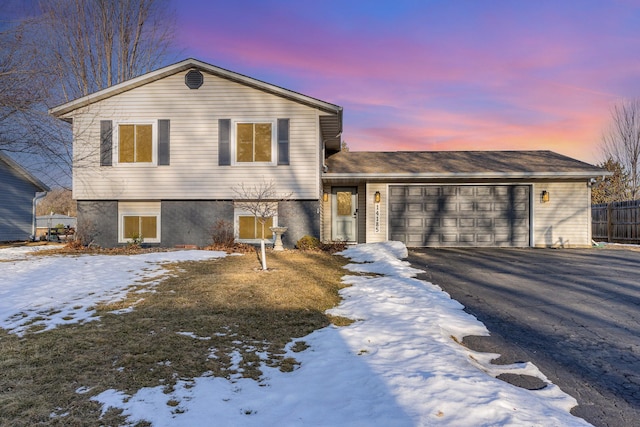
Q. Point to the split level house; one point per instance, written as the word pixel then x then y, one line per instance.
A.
pixel 164 156
pixel 18 191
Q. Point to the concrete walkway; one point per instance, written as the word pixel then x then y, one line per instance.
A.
pixel 574 313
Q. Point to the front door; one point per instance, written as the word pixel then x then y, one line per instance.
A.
pixel 344 211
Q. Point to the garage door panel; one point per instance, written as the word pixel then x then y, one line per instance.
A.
pixel 484 222
pixel 449 191
pixel 483 191
pixel 435 208
pixel 450 215
pixel 415 222
pixel 467 222
pixel 501 191
pixel 397 207
pixel 415 191
pixel 449 222
pixel 397 191
pixel 515 223
pixel 431 191
pixel 465 191
pixel 449 238
pixel 467 238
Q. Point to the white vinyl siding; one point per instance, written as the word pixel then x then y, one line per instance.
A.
pixel 194 172
pixel 565 220
pixel 379 233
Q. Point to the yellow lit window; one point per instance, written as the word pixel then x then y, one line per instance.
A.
pixel 140 226
pixel 253 142
pixel 135 144
pixel 249 227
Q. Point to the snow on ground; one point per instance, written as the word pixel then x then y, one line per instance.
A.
pixel 398 365
pixel 61 289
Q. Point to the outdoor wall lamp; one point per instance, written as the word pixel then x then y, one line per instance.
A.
pixel 544 196
pixel 376 197
pixel 325 197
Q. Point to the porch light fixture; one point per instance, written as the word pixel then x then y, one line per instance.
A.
pixel 376 197
pixel 544 196
pixel 325 197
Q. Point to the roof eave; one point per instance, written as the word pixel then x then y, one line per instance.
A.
pixel 469 175
pixel 24 173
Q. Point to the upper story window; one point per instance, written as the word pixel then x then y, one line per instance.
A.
pixel 254 142
pixel 135 143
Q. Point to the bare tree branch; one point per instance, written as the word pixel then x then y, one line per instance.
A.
pixel 66 50
pixel 261 200
pixel 621 141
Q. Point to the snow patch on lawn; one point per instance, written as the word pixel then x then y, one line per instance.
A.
pixel 398 365
pixel 52 290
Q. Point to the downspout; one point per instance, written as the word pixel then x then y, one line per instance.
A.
pixel 325 168
pixel 39 196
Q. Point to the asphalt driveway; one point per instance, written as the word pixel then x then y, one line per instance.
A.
pixel 574 313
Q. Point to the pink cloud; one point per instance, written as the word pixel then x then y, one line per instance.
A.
pixel 508 76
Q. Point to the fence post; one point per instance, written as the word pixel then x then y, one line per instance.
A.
pixel 609 222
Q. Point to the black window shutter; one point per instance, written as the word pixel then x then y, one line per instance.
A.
pixel 283 141
pixel 224 142
pixel 163 142
pixel 106 142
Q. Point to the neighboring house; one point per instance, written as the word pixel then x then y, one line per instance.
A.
pixel 44 223
pixel 18 190
pixel 161 155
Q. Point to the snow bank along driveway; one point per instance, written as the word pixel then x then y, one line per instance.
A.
pixel 398 365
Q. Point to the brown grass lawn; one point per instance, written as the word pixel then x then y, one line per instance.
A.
pixel 228 301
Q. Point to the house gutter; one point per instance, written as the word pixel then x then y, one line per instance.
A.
pixel 461 175
pixel 38 196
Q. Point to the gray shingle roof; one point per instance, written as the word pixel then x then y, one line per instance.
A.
pixel 458 163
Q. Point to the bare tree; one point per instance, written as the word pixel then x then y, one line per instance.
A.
pixel 613 188
pixel 65 50
pixel 59 201
pixel 94 44
pixel 621 142
pixel 260 200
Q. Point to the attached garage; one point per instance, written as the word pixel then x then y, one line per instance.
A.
pixel 459 215
pixel 464 198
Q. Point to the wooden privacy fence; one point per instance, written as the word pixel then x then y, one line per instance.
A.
pixel 617 222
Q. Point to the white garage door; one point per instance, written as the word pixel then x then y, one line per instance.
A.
pixel 459 215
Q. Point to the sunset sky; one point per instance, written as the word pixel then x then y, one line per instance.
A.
pixel 436 74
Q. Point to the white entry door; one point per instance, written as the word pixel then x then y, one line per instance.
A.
pixel 344 211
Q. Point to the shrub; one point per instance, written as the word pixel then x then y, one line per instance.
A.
pixel 223 239
pixel 136 241
pixel 310 243
pixel 74 244
pixel 222 233
pixel 85 233
pixel 307 243
pixel 334 247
